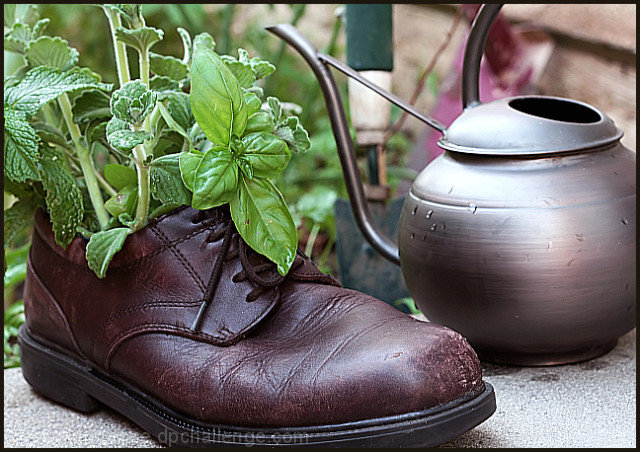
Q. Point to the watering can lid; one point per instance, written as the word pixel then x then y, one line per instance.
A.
pixel 529 125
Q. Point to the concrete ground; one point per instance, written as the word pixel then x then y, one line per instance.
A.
pixel 590 404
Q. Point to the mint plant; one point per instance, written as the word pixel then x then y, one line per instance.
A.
pixel 195 130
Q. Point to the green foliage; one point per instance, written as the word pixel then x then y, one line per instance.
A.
pixel 102 246
pixel 20 147
pixel 133 102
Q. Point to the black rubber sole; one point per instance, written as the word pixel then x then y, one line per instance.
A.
pixel 77 386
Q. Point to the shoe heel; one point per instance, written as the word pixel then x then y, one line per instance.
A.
pixel 53 378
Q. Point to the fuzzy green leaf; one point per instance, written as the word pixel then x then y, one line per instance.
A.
pixel 215 179
pixel 267 154
pixel 121 137
pixel 204 39
pixel 242 71
pixel 163 86
pixel 64 199
pixel 264 221
pixel 119 176
pixel 217 101
pixel 180 108
pixel 168 66
pixel 260 121
pixel 276 108
pixel 172 123
pixel 133 102
pixel 49 133
pixel 166 182
pixel 54 52
pixel 20 147
pixel 43 84
pixel 292 132
pixel 102 246
pixel 187 44
pixel 141 39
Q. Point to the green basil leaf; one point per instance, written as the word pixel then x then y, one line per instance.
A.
pixel 260 121
pixel 141 39
pixel 119 176
pixel 172 123
pixel 54 52
pixel 124 201
pixel 43 84
pixel 101 248
pixel 20 147
pixel 16 218
pixel 64 199
pixel 264 221
pixel 215 180
pixel 188 165
pixel 166 181
pixel 216 98
pixel 267 153
pixel 168 66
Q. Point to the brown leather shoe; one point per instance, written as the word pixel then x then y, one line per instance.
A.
pixel 197 339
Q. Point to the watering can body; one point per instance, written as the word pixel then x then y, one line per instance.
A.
pixel 522 234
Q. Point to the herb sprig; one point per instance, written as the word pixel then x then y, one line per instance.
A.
pixel 195 131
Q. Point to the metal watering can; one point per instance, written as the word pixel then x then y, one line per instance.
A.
pixel 522 234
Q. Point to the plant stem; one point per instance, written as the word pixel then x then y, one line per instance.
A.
pixel 144 67
pixel 119 48
pixel 86 164
pixel 103 182
pixel 311 240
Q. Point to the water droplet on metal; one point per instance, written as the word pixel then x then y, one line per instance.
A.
pixel 624 221
pixel 443 226
pixel 580 237
pixel 413 236
pixel 424 237
pixel 415 209
pixel 433 227
pixel 429 213
pixel 472 207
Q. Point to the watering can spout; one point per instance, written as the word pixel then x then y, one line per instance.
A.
pixel 340 127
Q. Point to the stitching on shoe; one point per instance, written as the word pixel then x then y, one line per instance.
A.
pixel 136 307
pixel 154 327
pixel 178 254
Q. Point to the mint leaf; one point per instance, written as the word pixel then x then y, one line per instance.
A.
pixel 64 199
pixel 20 147
pixel 215 179
pixel 119 176
pixel 141 39
pixel 267 153
pixel 54 52
pixel 163 86
pixel 91 104
pixel 168 66
pixel 217 101
pixel 101 248
pixel 133 102
pixel 166 181
pixel 43 84
pixel 264 221
pixel 16 218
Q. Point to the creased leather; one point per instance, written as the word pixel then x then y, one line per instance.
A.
pixel 307 352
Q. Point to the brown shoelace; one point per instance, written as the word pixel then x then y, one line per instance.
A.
pixel 263 275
